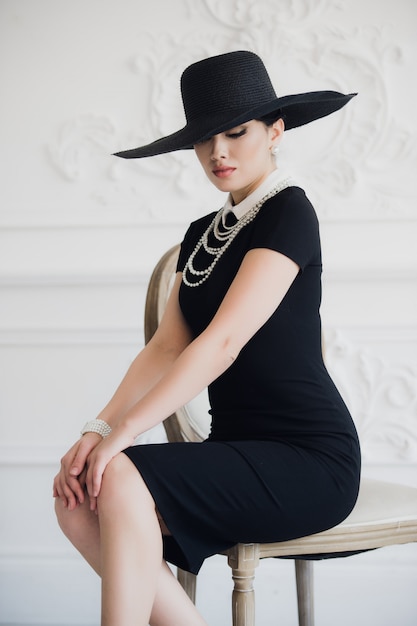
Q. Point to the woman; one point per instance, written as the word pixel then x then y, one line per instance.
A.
pixel 242 319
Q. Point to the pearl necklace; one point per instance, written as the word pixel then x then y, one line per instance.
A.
pixel 225 235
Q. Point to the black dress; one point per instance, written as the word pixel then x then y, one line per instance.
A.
pixel 282 459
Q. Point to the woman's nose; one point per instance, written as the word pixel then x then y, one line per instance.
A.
pixel 218 148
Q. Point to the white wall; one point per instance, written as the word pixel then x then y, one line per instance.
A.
pixel 81 230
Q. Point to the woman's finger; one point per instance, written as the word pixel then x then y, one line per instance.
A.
pixel 69 490
pixel 71 498
pixel 58 491
pixel 77 490
pixel 94 477
pixel 69 494
pixel 85 445
pixel 93 504
pixel 55 487
pixel 97 463
pixel 82 478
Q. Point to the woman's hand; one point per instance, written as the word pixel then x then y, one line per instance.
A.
pixel 100 457
pixel 69 483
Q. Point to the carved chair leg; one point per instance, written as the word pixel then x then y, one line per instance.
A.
pixel 188 582
pixel 305 591
pixel 243 559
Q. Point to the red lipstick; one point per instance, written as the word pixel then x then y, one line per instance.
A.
pixel 223 172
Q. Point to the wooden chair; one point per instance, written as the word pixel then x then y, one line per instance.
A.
pixel 385 514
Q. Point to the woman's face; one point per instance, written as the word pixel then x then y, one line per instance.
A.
pixel 240 159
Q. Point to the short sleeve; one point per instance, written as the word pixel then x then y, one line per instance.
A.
pixel 288 224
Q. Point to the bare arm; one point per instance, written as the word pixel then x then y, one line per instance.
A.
pixel 248 304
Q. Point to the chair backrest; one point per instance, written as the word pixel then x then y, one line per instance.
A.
pixel 191 422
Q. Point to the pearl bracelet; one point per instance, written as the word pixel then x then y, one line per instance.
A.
pixel 97 426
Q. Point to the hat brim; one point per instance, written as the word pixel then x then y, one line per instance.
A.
pixel 296 110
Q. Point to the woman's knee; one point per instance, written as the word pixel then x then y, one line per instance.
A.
pixel 121 483
pixel 70 522
pixel 61 513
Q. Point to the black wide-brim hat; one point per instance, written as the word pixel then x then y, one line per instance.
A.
pixel 223 91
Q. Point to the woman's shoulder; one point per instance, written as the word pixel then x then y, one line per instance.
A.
pixel 290 197
pixel 288 224
pixel 290 204
pixel 205 220
pixel 200 225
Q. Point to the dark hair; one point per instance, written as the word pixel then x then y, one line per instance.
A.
pixel 271 118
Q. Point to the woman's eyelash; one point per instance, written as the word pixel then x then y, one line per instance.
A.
pixel 231 135
pixel 236 135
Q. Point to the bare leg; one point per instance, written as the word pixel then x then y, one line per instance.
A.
pixel 131 546
pixel 171 605
pixel 82 528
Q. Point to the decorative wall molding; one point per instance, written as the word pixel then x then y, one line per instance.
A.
pixel 70 337
pixel 27 455
pixel 49 219
pixel 79 141
pixel 42 280
pixel 237 14
pixel 371 335
pixel 34 554
pixel 345 169
pixel 381 395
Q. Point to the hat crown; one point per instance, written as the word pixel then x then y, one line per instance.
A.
pixel 228 82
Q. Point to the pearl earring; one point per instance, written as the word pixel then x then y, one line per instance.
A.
pixel 274 151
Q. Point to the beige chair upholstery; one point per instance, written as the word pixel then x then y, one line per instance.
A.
pixel 385 514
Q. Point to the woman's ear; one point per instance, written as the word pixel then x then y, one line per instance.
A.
pixel 277 130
